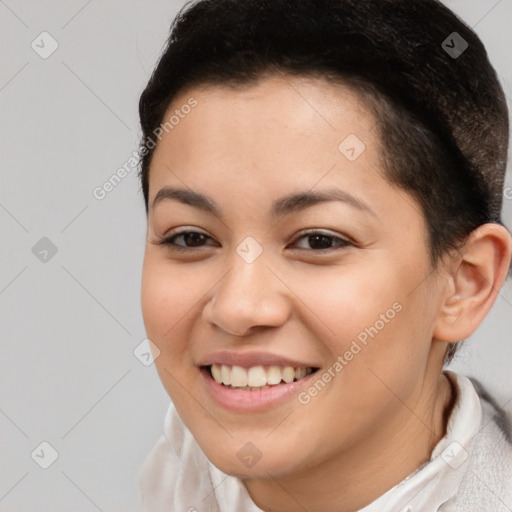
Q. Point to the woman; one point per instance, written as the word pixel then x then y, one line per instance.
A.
pixel 323 183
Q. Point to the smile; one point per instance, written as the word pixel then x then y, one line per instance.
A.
pixel 252 389
pixel 256 378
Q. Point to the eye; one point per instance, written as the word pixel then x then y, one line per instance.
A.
pixel 316 240
pixel 319 240
pixel 189 238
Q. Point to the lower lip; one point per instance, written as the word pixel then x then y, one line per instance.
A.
pixel 251 401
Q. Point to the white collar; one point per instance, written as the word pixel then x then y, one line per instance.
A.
pixel 435 482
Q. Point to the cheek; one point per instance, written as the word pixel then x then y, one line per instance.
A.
pixel 157 299
pixel 343 303
pixel 372 322
pixel 168 296
pixel 383 358
pixel 168 302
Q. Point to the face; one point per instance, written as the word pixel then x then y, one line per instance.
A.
pixel 292 271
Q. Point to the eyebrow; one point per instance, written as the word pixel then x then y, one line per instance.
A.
pixel 282 206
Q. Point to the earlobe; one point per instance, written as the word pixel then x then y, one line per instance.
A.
pixel 474 282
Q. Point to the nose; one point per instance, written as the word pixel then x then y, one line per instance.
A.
pixel 248 297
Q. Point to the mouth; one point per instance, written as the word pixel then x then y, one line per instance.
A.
pixel 256 378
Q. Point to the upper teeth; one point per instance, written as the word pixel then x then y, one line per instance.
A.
pixel 256 376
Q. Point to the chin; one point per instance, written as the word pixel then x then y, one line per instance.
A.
pixel 244 458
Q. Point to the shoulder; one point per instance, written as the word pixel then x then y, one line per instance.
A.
pixel 175 473
pixel 487 483
pixel 158 467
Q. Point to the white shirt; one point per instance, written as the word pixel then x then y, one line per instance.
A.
pixel 470 469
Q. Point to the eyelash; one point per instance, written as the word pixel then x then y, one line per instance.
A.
pixel 168 241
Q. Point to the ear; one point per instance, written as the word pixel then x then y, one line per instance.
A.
pixel 473 282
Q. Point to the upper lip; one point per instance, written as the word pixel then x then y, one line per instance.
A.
pixel 249 359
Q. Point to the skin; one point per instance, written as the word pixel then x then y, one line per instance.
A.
pixel 381 416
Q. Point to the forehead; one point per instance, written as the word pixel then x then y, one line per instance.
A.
pixel 312 97
pixel 280 128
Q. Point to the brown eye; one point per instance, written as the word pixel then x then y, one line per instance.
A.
pixel 318 240
pixel 192 238
pixel 185 240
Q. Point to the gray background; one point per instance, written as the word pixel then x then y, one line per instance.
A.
pixel 70 324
